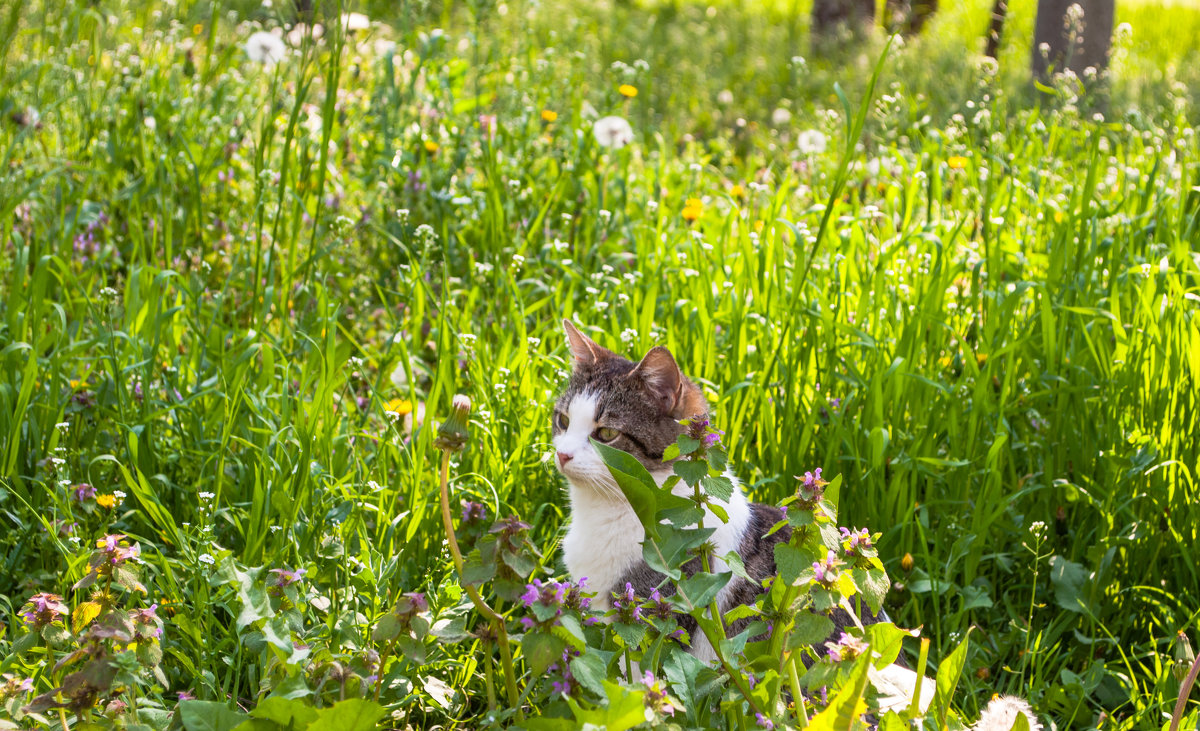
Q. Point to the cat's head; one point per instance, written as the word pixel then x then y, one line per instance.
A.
pixel 635 407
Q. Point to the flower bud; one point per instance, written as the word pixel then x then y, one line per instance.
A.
pixel 452 434
pixel 1185 656
pixel 906 563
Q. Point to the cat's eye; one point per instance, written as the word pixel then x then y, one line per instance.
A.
pixel 607 434
pixel 561 420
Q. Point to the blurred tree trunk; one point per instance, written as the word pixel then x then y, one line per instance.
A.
pixel 908 17
pixel 1064 38
pixel 831 18
pixel 996 28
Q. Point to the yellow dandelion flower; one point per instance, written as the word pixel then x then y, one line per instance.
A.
pixel 1058 216
pixel 431 146
pixel 758 226
pixel 399 406
pixel 549 115
pixel 980 359
pixel 197 29
pixel 628 90
pixel 737 191
pixel 692 209
pixel 945 361
pixel 106 501
pixel 958 162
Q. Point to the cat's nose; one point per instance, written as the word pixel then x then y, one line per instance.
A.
pixel 563 458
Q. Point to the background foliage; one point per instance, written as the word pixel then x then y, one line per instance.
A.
pixel 231 291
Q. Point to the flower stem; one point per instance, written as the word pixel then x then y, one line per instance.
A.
pixel 797 695
pixel 481 606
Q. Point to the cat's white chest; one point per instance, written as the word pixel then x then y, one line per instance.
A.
pixel 603 541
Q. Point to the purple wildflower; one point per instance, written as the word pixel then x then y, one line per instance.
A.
pixel 84 491
pixel 812 488
pixel 656 697
pixel 43 609
pixel 854 542
pixel 824 572
pixel 763 721
pixel 473 512
pixel 287 577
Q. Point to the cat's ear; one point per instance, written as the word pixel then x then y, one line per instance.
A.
pixel 661 377
pixel 584 351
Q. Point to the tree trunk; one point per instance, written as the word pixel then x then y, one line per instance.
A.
pixel 1064 38
pixel 996 28
pixel 832 17
pixel 907 17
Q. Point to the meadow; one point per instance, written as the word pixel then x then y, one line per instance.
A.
pixel 243 277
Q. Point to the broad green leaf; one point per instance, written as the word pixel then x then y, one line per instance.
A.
pixel 1070 582
pixel 790 562
pixel 847 706
pixel 589 669
pixel 84 614
pixel 947 679
pixel 691 472
pixel 699 590
pixel 809 629
pixel 387 628
pixel 686 444
pixel 353 714
pixel 719 487
pixel 287 712
pixel 887 640
pixel 541 650
pixel 209 716
pixel 635 482
pixel 874 585
pixel 626 708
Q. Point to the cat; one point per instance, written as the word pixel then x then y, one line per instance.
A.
pixel 637 408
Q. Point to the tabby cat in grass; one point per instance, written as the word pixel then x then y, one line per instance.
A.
pixel 637 408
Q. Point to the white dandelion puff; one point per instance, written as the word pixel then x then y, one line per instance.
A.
pixel 265 48
pixel 811 142
pixel 613 132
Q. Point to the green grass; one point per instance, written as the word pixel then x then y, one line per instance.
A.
pixel 972 348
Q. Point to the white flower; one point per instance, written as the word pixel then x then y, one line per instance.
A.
pixel 613 132
pixel 151 123
pixel 355 21
pixel 265 48
pixel 207 559
pixel 297 34
pixel 725 97
pixel 207 496
pixel 811 142
pixel 780 117
pixel 119 495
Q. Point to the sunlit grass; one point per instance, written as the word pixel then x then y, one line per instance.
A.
pixel 222 278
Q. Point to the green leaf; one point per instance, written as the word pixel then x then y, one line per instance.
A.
pixel 719 487
pixel 412 648
pixel 691 472
pixel 476 570
pixel 451 630
pixel 874 585
pixel 700 589
pixel 887 640
pixel 589 669
pixel 631 634
pixel 635 482
pixel 848 705
pixel 790 562
pixel 209 716
pixel 809 629
pixel 541 650
pixel 24 642
pixel 626 707
pixel 292 686
pixel 947 679
pixel 1070 582
pixel 686 444
pixel 354 714
pixel 287 712
pixel 387 628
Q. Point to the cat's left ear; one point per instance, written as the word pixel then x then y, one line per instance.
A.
pixel 661 377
